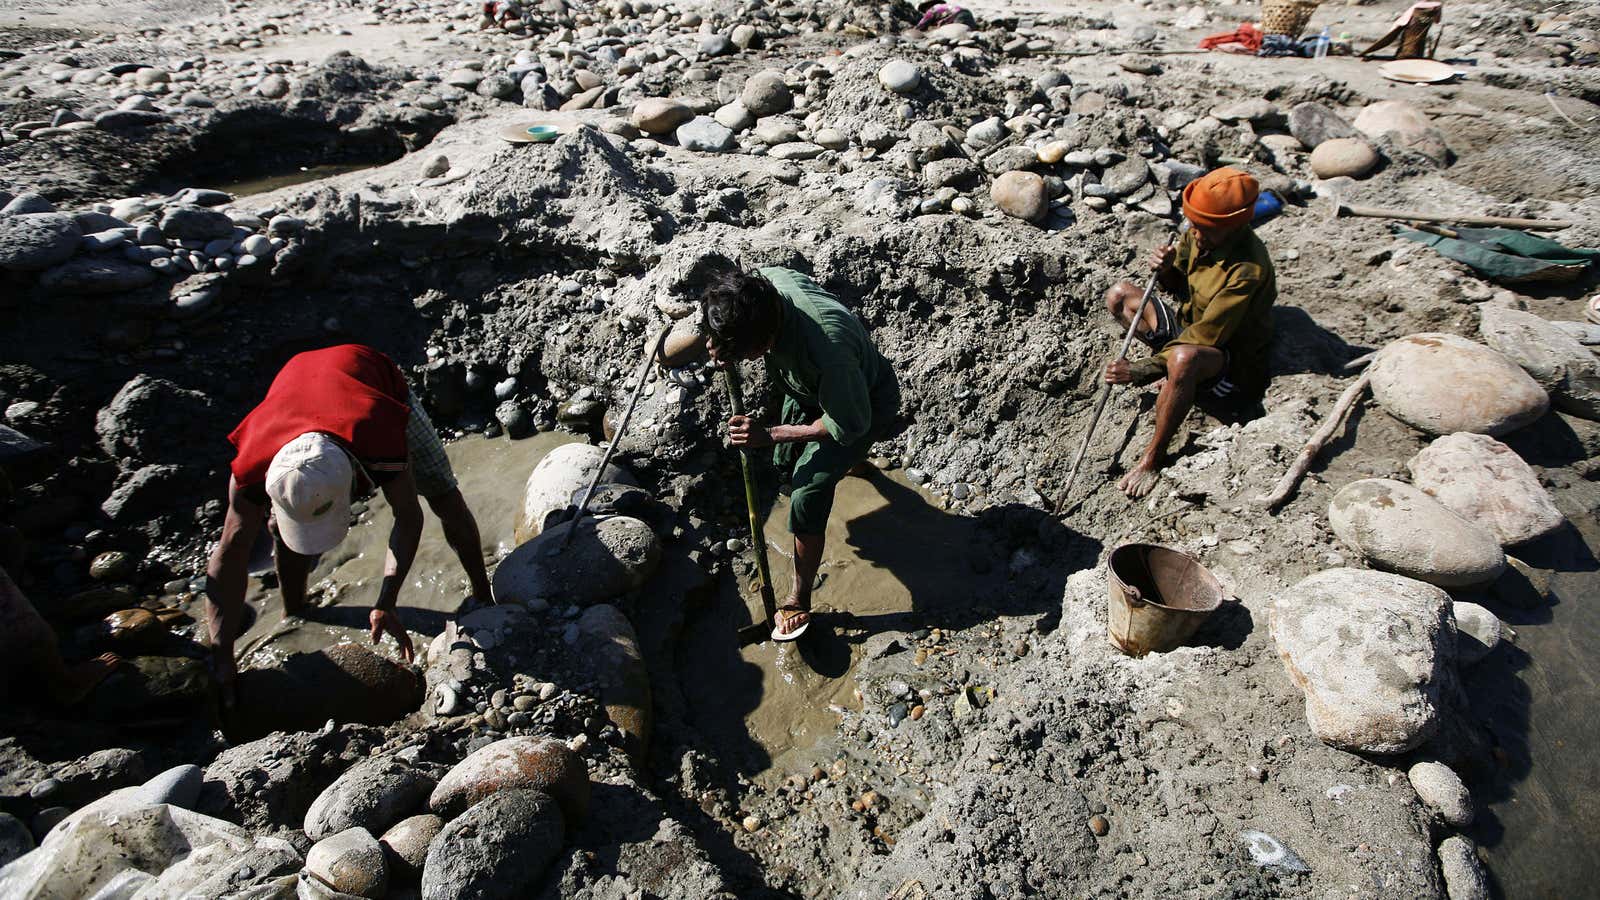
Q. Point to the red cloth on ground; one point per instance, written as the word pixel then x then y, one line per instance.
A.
pixel 1247 35
pixel 351 393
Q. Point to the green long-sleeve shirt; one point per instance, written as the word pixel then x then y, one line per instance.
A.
pixel 1230 292
pixel 824 359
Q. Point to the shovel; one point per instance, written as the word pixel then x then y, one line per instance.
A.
pixel 756 632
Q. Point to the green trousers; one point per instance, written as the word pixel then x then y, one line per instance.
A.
pixel 817 468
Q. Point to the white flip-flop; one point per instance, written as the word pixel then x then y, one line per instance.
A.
pixel 1592 313
pixel 784 638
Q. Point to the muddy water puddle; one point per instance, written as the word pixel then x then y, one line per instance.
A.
pixel 892 557
pixel 249 186
pixel 491 472
pixel 1539 818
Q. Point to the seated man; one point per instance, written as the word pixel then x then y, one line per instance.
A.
pixel 334 421
pixel 1213 344
pixel 840 395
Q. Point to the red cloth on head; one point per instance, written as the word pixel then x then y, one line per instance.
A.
pixel 1248 35
pixel 351 393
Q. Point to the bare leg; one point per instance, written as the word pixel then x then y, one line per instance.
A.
pixel 1122 301
pixel 1187 367
pixel 461 532
pixel 293 572
pixel 807 559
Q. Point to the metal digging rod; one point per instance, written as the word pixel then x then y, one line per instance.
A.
pixel 1105 394
pixel 622 427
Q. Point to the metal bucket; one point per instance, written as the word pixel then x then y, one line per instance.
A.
pixel 1157 597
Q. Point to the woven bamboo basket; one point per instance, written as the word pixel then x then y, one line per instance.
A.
pixel 1286 16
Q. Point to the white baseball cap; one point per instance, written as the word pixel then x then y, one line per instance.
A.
pixel 309 485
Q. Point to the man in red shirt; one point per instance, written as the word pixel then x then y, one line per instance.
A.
pixel 333 420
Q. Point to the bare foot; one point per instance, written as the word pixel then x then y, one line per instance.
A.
pixel 1140 481
pixel 82 678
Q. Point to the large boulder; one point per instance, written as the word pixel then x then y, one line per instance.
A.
pixel 611 647
pixel 37 240
pixel 151 420
pixel 558 482
pixel 1444 383
pixel 607 557
pixel 1314 124
pixel 1372 652
pixel 372 794
pixel 344 682
pixel 1407 126
pixel 152 687
pixel 499 849
pixel 519 763
pixel 1487 483
pixel 1553 356
pixel 1398 528
pixel 269 784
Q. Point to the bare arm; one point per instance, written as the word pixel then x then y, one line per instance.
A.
pixel 401 492
pixel 226 576
pixel 746 432
pixel 403 539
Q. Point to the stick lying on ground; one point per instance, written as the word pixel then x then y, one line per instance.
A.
pixel 1331 424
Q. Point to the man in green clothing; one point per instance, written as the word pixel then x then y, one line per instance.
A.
pixel 840 394
pixel 1214 345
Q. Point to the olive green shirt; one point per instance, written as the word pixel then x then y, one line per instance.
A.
pixel 825 360
pixel 1230 291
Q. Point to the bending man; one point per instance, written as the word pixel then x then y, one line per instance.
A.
pixel 1213 345
pixel 840 395
pixel 334 421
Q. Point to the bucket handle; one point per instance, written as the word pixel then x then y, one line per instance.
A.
pixel 1131 596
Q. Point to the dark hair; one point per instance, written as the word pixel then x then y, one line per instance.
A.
pixel 741 308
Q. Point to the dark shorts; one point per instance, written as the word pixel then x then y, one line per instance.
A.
pixel 817 467
pixel 1218 388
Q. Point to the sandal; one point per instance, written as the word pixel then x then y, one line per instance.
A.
pixel 1593 311
pixel 793 609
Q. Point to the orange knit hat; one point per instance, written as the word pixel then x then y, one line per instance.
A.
pixel 1224 198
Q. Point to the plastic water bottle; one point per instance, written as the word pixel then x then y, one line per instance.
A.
pixel 1323 41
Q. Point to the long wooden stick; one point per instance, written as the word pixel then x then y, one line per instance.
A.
pixel 1377 212
pixel 758 540
pixel 1331 424
pixel 1105 393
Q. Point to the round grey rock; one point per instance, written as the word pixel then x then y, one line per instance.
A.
pixel 273 86
pixel 496 850
pixel 1398 528
pixel 178 786
pixel 496 87
pixel 1021 195
pixel 15 839
pixel 1464 878
pixel 373 794
pixel 33 241
pixel 766 94
pixel 1442 792
pixel 350 862
pixel 900 76
pixel 704 134
pixel 192 222
pixel 406 845
pixel 1477 632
